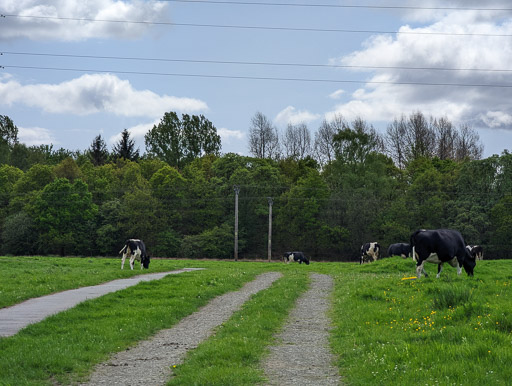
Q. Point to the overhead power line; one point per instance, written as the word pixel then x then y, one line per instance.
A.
pixel 311 80
pixel 267 28
pixel 367 6
pixel 237 62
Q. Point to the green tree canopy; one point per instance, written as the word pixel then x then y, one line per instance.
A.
pixel 64 214
pixel 178 142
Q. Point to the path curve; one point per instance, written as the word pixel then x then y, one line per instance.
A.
pixel 302 355
pixel 14 318
pixel 150 362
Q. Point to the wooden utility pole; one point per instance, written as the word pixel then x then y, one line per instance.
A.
pixel 270 202
pixel 237 190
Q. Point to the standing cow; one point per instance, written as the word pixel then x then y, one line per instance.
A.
pixel 399 249
pixel 441 246
pixel 295 256
pixel 136 250
pixel 369 252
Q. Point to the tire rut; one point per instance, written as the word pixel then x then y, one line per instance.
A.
pixel 302 356
pixel 150 362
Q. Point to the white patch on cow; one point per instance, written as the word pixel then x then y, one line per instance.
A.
pixel 433 258
pixel 136 255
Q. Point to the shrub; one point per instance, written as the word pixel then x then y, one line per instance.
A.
pixel 215 243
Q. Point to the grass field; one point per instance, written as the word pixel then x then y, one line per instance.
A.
pixel 452 330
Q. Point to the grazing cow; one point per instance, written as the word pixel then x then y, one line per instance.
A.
pixel 399 249
pixel 438 247
pixel 295 256
pixel 476 251
pixel 136 250
pixel 369 252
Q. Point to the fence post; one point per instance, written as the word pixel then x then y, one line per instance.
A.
pixel 270 202
pixel 237 190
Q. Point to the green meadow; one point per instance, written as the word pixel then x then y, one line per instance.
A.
pixel 386 330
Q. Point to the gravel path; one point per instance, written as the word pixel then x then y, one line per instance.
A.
pixel 14 318
pixel 149 362
pixel 303 356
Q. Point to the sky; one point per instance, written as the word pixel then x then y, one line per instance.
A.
pixel 74 69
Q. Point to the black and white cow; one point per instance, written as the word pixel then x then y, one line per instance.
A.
pixel 295 256
pixel 136 250
pixel 369 252
pixel 399 249
pixel 476 251
pixel 441 246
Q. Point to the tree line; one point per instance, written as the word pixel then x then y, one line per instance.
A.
pixel 331 193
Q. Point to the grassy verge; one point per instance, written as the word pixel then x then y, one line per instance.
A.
pixel 28 277
pixel 232 356
pixel 64 347
pixel 452 330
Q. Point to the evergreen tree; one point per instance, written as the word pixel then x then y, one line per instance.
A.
pixel 125 148
pixel 98 153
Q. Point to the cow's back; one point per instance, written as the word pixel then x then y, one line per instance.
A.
pixel 446 243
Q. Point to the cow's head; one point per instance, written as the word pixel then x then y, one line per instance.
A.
pixel 306 260
pixel 145 261
pixel 469 263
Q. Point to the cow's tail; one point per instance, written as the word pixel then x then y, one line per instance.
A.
pixel 124 249
pixel 413 244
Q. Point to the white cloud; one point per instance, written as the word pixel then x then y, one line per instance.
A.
pixel 290 115
pixel 497 119
pixel 35 136
pixel 337 94
pixel 394 91
pixel 97 93
pixel 54 19
pixel 227 135
pixel 137 133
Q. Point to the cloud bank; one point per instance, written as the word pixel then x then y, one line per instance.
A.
pixel 466 54
pixel 74 20
pixel 96 93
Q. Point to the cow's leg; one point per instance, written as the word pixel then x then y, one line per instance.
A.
pixel 132 260
pixel 419 269
pixel 439 270
pixel 122 260
pixel 459 269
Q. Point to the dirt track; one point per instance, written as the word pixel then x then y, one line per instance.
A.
pixel 302 356
pixel 150 361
